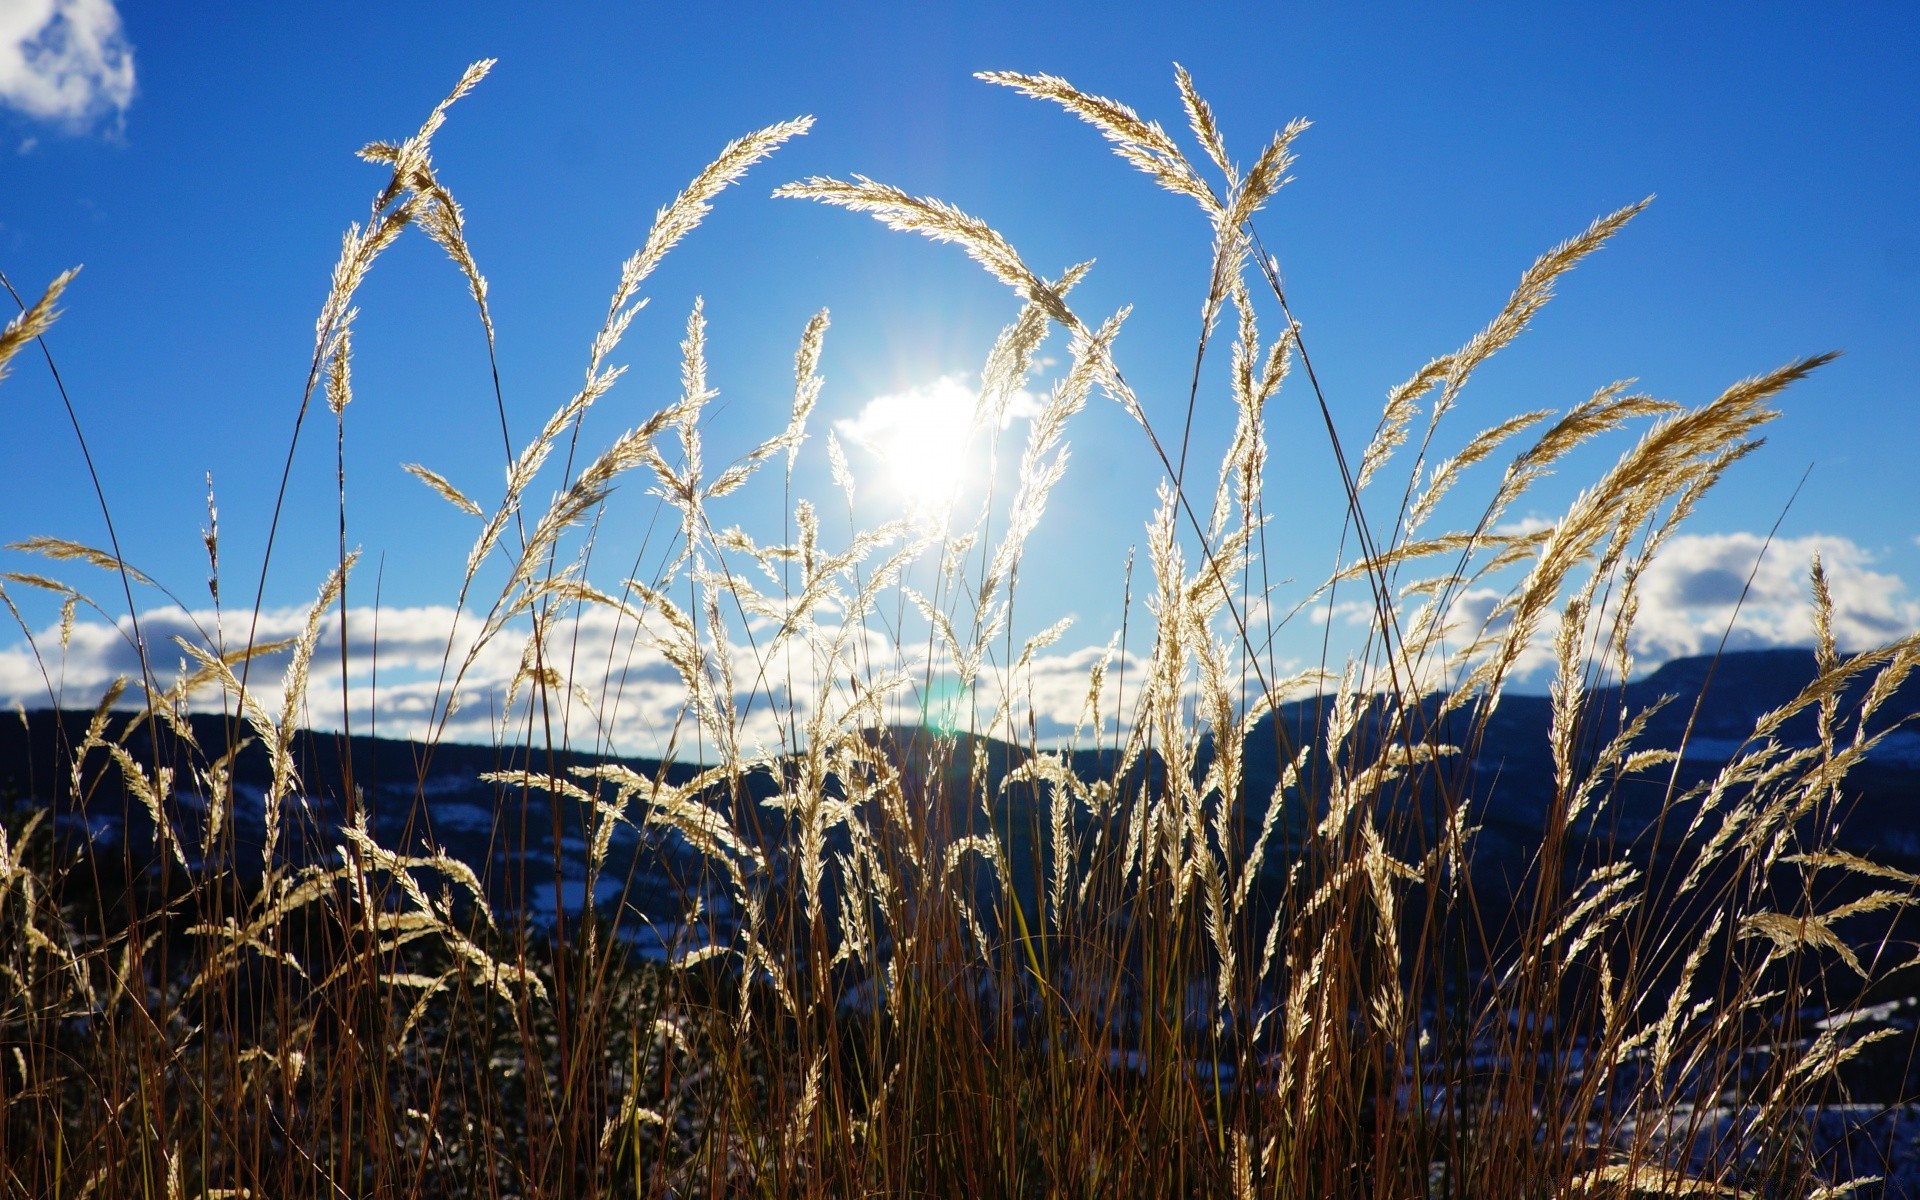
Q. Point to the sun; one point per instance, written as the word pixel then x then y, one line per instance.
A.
pixel 921 439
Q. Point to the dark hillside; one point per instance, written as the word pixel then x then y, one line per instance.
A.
pixel 417 797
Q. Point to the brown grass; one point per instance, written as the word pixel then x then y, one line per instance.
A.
pixel 964 964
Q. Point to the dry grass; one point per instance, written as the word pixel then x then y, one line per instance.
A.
pixel 949 965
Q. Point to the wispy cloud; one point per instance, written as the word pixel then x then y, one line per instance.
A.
pixel 66 61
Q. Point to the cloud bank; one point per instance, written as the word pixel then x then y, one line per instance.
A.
pixel 624 695
pixel 65 61
pixel 1703 588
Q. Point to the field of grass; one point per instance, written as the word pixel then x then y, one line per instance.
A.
pixel 967 962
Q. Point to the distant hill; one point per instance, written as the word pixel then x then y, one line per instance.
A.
pixel 1712 707
pixel 418 797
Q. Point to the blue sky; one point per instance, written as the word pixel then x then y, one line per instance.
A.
pixel 197 158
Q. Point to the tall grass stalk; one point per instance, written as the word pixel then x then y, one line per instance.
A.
pixel 964 960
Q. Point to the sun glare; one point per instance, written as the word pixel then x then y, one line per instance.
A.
pixel 920 438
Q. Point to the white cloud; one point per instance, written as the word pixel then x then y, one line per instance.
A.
pixel 64 60
pixel 1696 591
pixel 624 694
pixel 1689 595
pixel 1470 613
pixel 627 696
pixel 944 407
pixel 1532 522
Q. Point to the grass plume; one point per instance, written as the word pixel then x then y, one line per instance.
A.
pixel 950 956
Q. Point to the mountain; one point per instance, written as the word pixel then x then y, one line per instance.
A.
pixel 418 797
